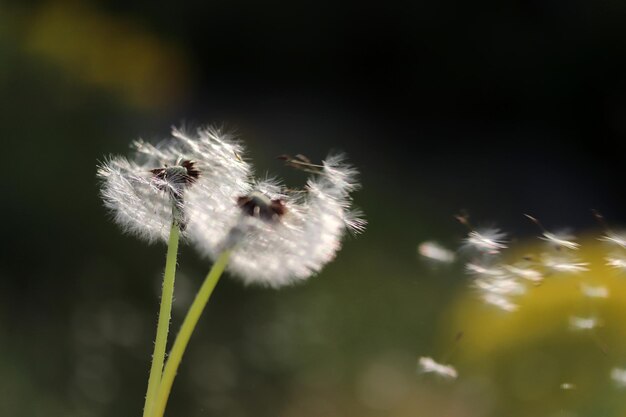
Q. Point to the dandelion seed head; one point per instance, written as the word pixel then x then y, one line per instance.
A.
pixel 146 194
pixel 429 365
pixel 279 236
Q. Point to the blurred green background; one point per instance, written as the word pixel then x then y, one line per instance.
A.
pixel 498 108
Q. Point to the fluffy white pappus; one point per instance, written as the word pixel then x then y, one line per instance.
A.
pixel 135 201
pixel 488 241
pixel 285 247
pixel 583 323
pixel 146 194
pixel 433 251
pixel 500 301
pixel 616 261
pixel 427 365
pixel 564 264
pixel 591 291
pixel 618 375
pixel 560 240
pixel 521 270
pixel 615 239
pixel 506 286
pixel 481 270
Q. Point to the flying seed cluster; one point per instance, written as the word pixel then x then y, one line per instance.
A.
pixel 500 283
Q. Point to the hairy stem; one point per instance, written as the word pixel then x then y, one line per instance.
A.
pixel 186 330
pixel 163 324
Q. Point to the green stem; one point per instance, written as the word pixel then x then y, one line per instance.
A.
pixel 163 324
pixel 182 339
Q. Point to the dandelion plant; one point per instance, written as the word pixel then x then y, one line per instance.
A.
pixel 200 187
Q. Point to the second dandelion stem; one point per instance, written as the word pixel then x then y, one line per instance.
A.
pixel 163 325
pixel 186 330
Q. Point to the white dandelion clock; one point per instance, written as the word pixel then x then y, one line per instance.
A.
pixel 279 236
pixel 150 192
pixel 149 197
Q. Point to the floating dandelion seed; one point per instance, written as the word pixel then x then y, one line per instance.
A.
pixel 527 273
pixel 489 241
pixel 590 291
pixel 500 301
pixel 567 386
pixel 583 323
pixel 618 375
pixel 558 240
pixel 564 264
pixel 279 236
pixel 153 190
pixel 477 269
pixel 615 239
pixel 617 261
pixel 435 252
pixel 428 365
pixel 499 286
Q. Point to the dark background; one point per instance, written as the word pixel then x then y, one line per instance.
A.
pixel 500 108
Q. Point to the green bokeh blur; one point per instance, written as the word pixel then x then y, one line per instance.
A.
pixel 79 80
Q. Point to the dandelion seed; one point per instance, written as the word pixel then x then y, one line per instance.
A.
pixel 435 252
pixel 499 286
pixel 500 301
pixel 618 375
pixel 617 261
pixel 594 291
pixel 429 365
pixel 559 240
pixel 567 386
pixel 525 272
pixel 279 236
pixel 583 323
pixel 488 241
pixel 617 239
pixel 564 264
pixel 153 190
pixel 477 269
